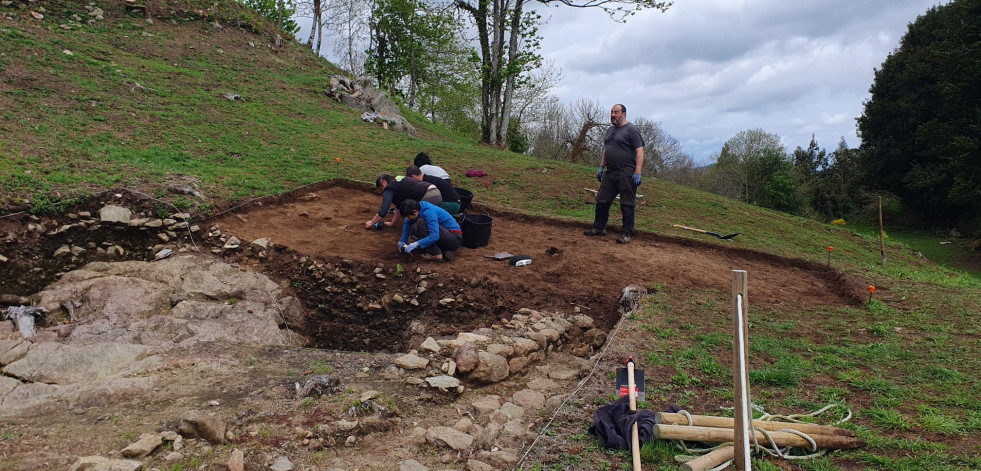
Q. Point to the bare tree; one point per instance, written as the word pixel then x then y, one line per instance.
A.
pixel 550 128
pixel 528 97
pixel 588 116
pixel 349 27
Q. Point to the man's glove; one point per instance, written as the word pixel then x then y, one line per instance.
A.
pixel 636 179
pixel 599 175
pixel 401 246
pixel 409 248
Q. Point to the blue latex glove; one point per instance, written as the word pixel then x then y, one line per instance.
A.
pixel 599 175
pixel 401 246
pixel 636 179
pixel 409 248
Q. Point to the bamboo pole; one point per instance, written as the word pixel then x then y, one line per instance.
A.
pixel 710 460
pixel 634 433
pixel 724 435
pixel 769 425
pixel 740 356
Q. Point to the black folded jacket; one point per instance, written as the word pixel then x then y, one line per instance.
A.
pixel 611 423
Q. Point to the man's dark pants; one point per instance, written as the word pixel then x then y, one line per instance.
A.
pixel 448 241
pixel 616 183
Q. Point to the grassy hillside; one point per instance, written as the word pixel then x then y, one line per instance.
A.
pixel 92 104
pixel 123 102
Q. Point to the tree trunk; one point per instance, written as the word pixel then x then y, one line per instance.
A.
pixel 318 22
pixel 315 26
pixel 580 142
pixel 505 115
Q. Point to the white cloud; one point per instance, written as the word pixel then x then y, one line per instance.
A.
pixel 708 69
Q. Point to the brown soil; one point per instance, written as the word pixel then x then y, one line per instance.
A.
pixel 568 269
pixel 320 229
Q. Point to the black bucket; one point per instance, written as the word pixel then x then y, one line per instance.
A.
pixel 466 197
pixel 476 230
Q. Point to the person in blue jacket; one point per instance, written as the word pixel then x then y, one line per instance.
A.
pixel 438 234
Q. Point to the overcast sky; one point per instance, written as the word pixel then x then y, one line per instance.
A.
pixel 708 69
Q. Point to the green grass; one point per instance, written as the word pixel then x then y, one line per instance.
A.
pixel 905 362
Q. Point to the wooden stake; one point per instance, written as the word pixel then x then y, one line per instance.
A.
pixel 710 460
pixel 670 418
pixel 882 234
pixel 723 435
pixel 740 356
pixel 634 433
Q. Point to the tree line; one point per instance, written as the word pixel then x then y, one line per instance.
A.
pixel 473 66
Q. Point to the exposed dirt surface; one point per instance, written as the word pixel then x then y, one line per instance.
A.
pixel 320 248
pixel 568 269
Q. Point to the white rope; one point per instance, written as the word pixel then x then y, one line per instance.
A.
pixel 773 449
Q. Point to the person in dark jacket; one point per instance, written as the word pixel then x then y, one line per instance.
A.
pixel 437 232
pixel 451 200
pixel 396 191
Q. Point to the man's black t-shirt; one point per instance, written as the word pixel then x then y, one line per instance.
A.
pixel 621 145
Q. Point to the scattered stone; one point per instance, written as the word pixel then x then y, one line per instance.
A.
pixel 162 254
pixel 282 463
pixel 101 463
pixel 346 426
pixel 430 345
pixel 319 385
pixel 197 425
pixel 492 368
pixel 513 410
pixel 529 399
pixel 467 357
pixel 143 447
pixel 595 337
pixel 476 465
pixel 449 437
pixel 523 346
pixel 471 337
pixel 443 382
pixel 232 243
pixel 412 362
pixel 412 465
pixel 112 213
pixel 369 396
pixel 237 461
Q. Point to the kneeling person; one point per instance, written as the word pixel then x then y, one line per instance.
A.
pixel 438 233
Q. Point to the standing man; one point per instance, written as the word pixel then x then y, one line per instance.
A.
pixel 623 159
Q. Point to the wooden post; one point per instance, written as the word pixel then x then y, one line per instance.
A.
pixel 882 235
pixel 634 433
pixel 724 435
pixel 671 418
pixel 710 460
pixel 740 356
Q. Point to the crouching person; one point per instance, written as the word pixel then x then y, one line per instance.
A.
pixel 438 234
